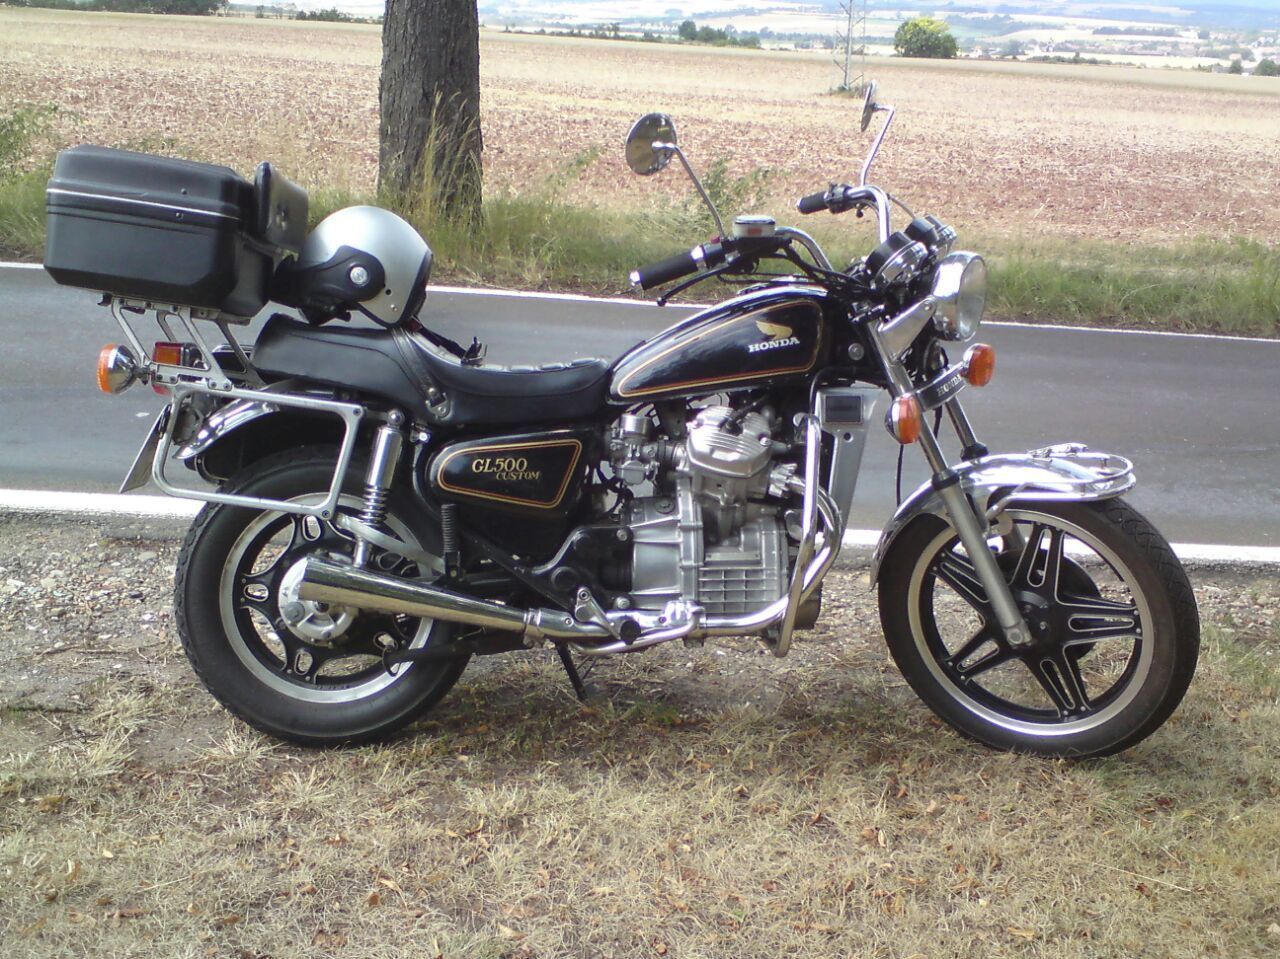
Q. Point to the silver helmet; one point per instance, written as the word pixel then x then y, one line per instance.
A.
pixel 362 258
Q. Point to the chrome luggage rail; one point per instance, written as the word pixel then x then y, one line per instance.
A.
pixel 186 383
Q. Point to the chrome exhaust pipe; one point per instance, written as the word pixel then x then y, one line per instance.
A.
pixel 326 582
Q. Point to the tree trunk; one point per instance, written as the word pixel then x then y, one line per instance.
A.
pixel 429 100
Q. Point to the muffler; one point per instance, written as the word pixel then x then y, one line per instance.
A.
pixel 326 582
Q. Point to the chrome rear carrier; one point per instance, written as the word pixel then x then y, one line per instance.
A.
pixel 188 383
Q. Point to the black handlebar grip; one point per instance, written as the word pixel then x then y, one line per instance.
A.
pixel 813 203
pixel 672 268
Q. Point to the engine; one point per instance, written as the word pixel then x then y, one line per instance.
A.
pixel 699 528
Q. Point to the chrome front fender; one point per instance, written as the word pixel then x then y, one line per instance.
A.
pixel 1066 472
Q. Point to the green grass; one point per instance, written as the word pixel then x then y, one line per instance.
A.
pixel 1230 285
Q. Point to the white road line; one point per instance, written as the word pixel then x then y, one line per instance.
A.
pixel 163 507
pixel 628 301
pixel 96 504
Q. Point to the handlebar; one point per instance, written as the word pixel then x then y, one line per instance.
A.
pixel 842 197
pixel 813 203
pixel 702 257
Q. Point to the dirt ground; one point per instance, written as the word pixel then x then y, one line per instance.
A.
pixel 710 802
pixel 1020 149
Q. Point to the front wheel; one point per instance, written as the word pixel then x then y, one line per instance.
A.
pixel 1112 618
pixel 306 672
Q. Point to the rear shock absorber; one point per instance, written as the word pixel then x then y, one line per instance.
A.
pixel 383 459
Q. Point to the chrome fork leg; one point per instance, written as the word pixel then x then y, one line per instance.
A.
pixel 973 535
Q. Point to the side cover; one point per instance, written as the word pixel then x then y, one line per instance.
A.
pixel 740 343
pixel 532 473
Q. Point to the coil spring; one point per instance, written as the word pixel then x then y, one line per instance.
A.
pixel 449 528
pixel 374 510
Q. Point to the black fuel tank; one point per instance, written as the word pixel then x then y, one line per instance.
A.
pixel 531 473
pixel 756 337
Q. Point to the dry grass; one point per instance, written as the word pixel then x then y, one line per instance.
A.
pixel 830 816
pixel 1007 148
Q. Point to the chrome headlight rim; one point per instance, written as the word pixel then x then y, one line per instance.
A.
pixel 960 292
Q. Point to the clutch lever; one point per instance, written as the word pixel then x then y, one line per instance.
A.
pixel 694 280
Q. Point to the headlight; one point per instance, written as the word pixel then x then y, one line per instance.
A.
pixel 960 289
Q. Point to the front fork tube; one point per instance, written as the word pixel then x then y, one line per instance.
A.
pixel 970 524
pixel 973 534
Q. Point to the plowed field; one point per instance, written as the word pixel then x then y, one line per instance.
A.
pixel 1007 148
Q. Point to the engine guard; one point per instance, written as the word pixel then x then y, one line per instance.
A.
pixel 1067 472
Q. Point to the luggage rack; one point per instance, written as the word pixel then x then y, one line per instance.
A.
pixel 185 383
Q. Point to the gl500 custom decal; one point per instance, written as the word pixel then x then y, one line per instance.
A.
pixel 533 470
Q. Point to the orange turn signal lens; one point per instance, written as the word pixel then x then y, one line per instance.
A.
pixel 903 419
pixel 979 364
pixel 117 368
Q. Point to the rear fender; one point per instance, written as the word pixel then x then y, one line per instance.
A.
pixel 244 431
pixel 1069 472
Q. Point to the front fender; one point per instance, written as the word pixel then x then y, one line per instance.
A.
pixel 1066 472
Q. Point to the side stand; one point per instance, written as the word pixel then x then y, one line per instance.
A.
pixel 566 660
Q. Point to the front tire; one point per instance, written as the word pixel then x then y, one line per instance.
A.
pixel 300 671
pixel 1113 620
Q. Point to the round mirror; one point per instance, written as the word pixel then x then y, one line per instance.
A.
pixel 869 105
pixel 649 143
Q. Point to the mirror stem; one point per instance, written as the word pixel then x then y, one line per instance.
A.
pixel 875 147
pixel 715 214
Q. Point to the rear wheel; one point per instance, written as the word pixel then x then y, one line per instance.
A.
pixel 306 672
pixel 1113 623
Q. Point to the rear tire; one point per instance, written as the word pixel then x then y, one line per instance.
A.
pixel 1115 629
pixel 313 677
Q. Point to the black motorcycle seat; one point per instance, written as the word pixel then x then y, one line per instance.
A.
pixel 427 383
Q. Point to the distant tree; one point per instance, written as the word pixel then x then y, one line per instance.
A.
pixel 926 38
pixel 1267 68
pixel 688 30
pixel 1014 48
pixel 1237 67
pixel 1204 34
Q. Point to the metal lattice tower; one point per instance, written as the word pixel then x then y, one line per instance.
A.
pixel 852 59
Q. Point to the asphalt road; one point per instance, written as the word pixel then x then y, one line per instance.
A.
pixel 1197 415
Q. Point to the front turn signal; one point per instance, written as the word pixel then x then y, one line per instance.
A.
pixel 903 419
pixel 979 364
pixel 117 368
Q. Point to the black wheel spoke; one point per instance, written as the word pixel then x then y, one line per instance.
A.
pixel 1092 618
pixel 1059 676
pixel 958 573
pixel 1040 564
pixel 998 656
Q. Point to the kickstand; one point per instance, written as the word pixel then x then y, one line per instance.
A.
pixel 579 687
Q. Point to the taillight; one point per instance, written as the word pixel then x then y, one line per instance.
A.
pixel 172 354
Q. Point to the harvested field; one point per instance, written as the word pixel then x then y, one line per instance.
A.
pixel 1013 149
pixel 713 802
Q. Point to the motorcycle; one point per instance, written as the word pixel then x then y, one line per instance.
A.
pixel 381 504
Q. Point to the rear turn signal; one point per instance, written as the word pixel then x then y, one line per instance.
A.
pixel 903 419
pixel 117 368
pixel 979 364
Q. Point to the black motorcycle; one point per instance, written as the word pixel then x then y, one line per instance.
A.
pixel 382 505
